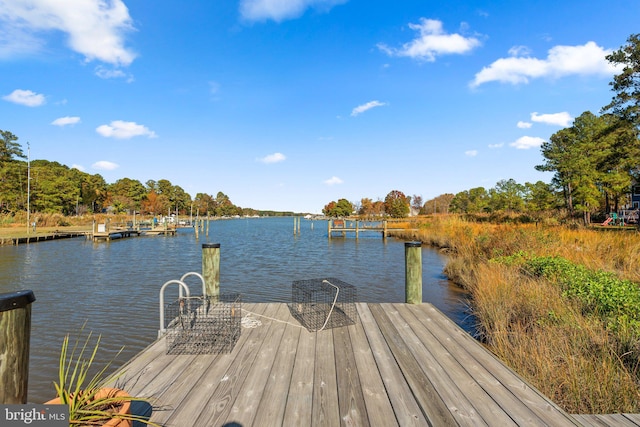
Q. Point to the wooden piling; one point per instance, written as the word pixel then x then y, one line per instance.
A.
pixel 296 225
pixel 15 333
pixel 211 268
pixel 413 272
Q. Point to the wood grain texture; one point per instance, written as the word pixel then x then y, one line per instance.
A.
pixel 399 365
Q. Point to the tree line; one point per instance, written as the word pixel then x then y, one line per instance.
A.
pixel 595 161
pixel 395 204
pixel 507 196
pixel 56 188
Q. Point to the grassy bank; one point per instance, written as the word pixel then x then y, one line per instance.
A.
pixel 560 305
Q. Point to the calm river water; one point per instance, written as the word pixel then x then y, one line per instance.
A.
pixel 114 286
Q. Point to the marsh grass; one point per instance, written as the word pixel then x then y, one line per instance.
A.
pixel 565 347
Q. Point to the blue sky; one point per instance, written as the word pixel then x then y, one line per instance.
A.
pixel 288 105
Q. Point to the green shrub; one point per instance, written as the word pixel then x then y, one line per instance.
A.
pixel 600 293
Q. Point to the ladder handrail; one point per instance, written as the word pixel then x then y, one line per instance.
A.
pixel 193 273
pixel 182 286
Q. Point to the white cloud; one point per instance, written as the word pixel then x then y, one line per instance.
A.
pixel 431 42
pixel 105 165
pixel 79 167
pixel 519 51
pixel 524 125
pixel 25 97
pixel 64 121
pixel 559 119
pixel 364 107
pixel 527 142
pixel 588 59
pixel 471 153
pixel 94 28
pixel 333 181
pixel 113 73
pixel 273 158
pixel 280 10
pixel 498 145
pixel 124 130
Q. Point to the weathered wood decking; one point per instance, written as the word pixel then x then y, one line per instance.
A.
pixel 400 364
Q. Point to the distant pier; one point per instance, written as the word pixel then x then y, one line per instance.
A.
pixel 41 237
pixel 107 232
pixel 344 226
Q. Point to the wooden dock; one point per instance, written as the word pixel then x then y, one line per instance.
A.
pixel 399 365
pixel 112 233
pixel 344 226
pixel 42 237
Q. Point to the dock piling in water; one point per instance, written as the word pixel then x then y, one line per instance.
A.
pixel 15 327
pixel 211 268
pixel 413 272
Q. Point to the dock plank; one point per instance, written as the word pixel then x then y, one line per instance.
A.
pixel 274 399
pixel 204 383
pixel 300 396
pixel 221 401
pixel 350 398
pixel 422 388
pixel 325 391
pixel 379 409
pixel 454 384
pixel 246 403
pixel 405 408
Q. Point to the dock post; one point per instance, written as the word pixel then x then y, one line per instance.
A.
pixel 384 229
pixel 413 272
pixel 211 268
pixel 356 229
pixel 15 327
pixel 329 228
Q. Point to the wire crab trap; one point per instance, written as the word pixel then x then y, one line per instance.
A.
pixel 203 325
pixel 323 303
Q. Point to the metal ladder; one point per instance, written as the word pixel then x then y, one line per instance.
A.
pixel 183 290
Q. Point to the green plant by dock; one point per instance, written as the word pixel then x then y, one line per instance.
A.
pixel 92 398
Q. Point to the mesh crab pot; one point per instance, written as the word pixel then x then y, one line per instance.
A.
pixel 203 325
pixel 323 303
